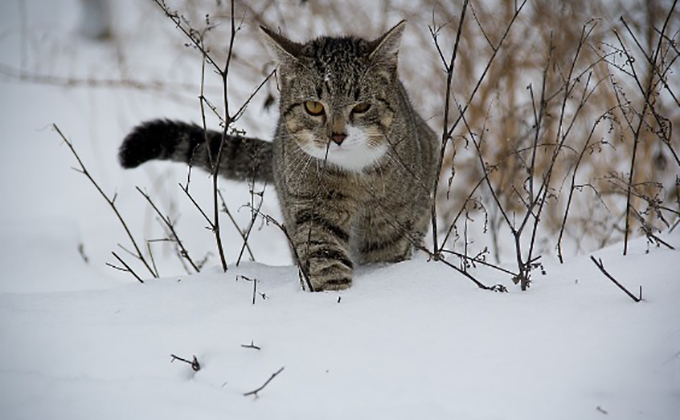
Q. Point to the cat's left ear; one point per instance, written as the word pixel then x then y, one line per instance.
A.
pixel 281 48
pixel 385 49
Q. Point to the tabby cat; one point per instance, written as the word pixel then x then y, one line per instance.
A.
pixel 353 164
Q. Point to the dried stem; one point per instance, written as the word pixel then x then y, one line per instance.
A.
pixel 440 258
pixel 636 136
pixel 446 134
pixel 251 346
pixel 171 228
pixel 476 260
pixel 304 276
pixel 254 281
pixel 195 366
pixel 127 267
pixel 111 202
pixel 573 186
pixel 245 234
pixel 448 129
pixel 255 391
pixel 600 265
pixel 197 41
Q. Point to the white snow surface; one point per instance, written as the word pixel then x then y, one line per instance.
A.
pixel 411 340
pixel 79 340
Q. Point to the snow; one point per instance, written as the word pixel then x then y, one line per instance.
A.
pixel 79 340
pixel 412 339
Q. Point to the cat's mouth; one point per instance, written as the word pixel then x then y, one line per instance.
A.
pixel 354 153
pixel 340 148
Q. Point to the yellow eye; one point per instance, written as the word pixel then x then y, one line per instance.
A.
pixel 314 107
pixel 361 108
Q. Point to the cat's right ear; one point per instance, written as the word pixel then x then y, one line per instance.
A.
pixel 282 49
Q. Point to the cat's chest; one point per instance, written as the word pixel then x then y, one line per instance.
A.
pixel 335 184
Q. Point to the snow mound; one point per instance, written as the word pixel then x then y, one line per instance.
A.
pixel 409 340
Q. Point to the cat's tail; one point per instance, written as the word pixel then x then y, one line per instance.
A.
pixel 242 158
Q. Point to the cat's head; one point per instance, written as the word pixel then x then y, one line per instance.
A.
pixel 339 96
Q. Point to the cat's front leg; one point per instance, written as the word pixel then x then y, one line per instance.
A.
pixel 389 232
pixel 321 241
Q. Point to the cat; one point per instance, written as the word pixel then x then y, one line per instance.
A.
pixel 353 164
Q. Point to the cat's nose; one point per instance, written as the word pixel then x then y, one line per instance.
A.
pixel 338 138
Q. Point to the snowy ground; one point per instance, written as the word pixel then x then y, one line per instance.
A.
pixel 408 341
pixel 412 340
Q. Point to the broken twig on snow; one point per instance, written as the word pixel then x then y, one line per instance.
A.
pixel 600 265
pixel 251 346
pixel 254 392
pixel 195 366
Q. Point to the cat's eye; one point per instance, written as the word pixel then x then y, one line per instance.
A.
pixel 314 107
pixel 361 108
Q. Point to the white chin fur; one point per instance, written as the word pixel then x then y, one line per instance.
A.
pixel 353 154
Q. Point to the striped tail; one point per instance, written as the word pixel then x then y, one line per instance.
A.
pixel 242 159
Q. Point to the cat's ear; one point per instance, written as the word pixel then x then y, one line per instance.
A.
pixel 385 49
pixel 281 48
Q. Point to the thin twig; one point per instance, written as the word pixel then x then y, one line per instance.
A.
pixel 94 83
pixel 439 258
pixel 573 186
pixel 475 260
pixel 251 346
pixel 636 137
pixel 660 241
pixel 110 201
pixel 190 33
pixel 304 276
pixel 171 228
pixel 198 207
pixel 254 392
pixel 254 281
pixel 446 134
pixel 560 136
pixel 241 110
pixel 227 123
pixel 481 79
pixel 127 267
pixel 244 234
pixel 195 366
pixel 196 38
pixel 600 265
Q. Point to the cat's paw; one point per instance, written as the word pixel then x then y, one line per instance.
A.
pixel 327 267
pixel 323 285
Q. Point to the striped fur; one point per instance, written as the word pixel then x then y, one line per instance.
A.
pixel 354 181
pixel 242 158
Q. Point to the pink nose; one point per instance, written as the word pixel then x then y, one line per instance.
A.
pixel 338 138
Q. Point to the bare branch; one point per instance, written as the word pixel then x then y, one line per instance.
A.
pixel 195 366
pixel 110 201
pixel 255 391
pixel 171 228
pixel 251 346
pixel 600 265
pixel 127 267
